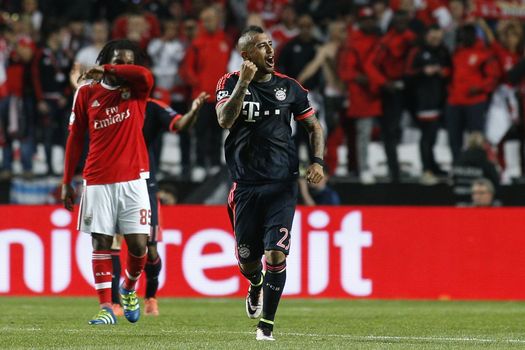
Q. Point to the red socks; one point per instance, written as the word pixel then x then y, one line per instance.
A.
pixel 102 271
pixel 134 267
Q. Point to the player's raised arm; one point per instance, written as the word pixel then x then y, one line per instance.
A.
pixel 228 111
pixel 314 173
pixel 139 78
pixel 188 119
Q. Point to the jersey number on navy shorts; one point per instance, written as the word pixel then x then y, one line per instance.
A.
pixel 282 240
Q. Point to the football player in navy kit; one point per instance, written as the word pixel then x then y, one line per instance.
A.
pixel 256 105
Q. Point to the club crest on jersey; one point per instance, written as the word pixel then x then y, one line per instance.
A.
pixel 125 93
pixel 280 94
pixel 88 220
pixel 244 251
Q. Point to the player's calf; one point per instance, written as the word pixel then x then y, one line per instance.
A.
pixel 254 298
pixel 152 270
pixel 273 285
pixel 128 295
pixel 115 282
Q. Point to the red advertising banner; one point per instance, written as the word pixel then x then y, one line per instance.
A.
pixel 341 252
pixel 499 9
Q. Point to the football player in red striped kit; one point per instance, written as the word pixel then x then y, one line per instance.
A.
pixel 115 198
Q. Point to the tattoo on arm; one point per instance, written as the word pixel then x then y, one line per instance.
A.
pixel 228 112
pixel 316 135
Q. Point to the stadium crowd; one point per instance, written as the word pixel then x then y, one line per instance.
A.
pixel 368 64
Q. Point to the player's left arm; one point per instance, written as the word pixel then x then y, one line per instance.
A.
pixel 187 120
pixel 315 172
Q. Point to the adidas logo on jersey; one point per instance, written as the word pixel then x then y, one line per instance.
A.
pixel 95 104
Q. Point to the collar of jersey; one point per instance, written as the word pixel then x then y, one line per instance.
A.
pixel 109 87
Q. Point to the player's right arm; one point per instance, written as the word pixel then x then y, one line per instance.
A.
pixel 78 124
pixel 139 78
pixel 229 111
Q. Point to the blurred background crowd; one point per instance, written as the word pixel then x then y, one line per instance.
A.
pixel 408 90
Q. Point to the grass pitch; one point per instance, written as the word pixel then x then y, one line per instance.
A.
pixel 61 323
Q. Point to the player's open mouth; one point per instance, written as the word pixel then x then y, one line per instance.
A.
pixel 269 61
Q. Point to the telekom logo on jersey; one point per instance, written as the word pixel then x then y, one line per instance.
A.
pixel 310 249
pixel 113 117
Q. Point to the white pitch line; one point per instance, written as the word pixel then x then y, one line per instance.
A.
pixel 293 334
pixel 366 337
pixel 20 329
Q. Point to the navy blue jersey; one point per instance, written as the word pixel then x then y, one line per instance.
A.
pixel 259 148
pixel 159 117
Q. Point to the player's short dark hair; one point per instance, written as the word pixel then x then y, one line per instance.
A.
pixel 255 29
pixel 105 55
pixel 247 36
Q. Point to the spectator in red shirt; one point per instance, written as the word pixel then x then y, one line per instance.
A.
pixel 206 61
pixel 386 73
pixel 475 74
pixel 364 104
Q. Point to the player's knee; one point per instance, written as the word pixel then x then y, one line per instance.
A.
pixel 249 268
pixel 274 257
pixel 137 244
pixel 101 242
pixel 152 252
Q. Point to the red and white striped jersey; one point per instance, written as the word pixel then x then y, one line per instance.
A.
pixel 113 117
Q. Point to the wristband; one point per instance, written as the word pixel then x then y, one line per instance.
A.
pixel 318 160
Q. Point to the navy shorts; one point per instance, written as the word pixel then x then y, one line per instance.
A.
pixel 261 217
pixel 155 234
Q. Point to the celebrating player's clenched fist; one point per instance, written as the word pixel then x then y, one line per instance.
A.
pixel 248 70
pixel 314 173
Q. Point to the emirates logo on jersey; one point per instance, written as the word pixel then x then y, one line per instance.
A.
pixel 114 117
pixel 280 94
